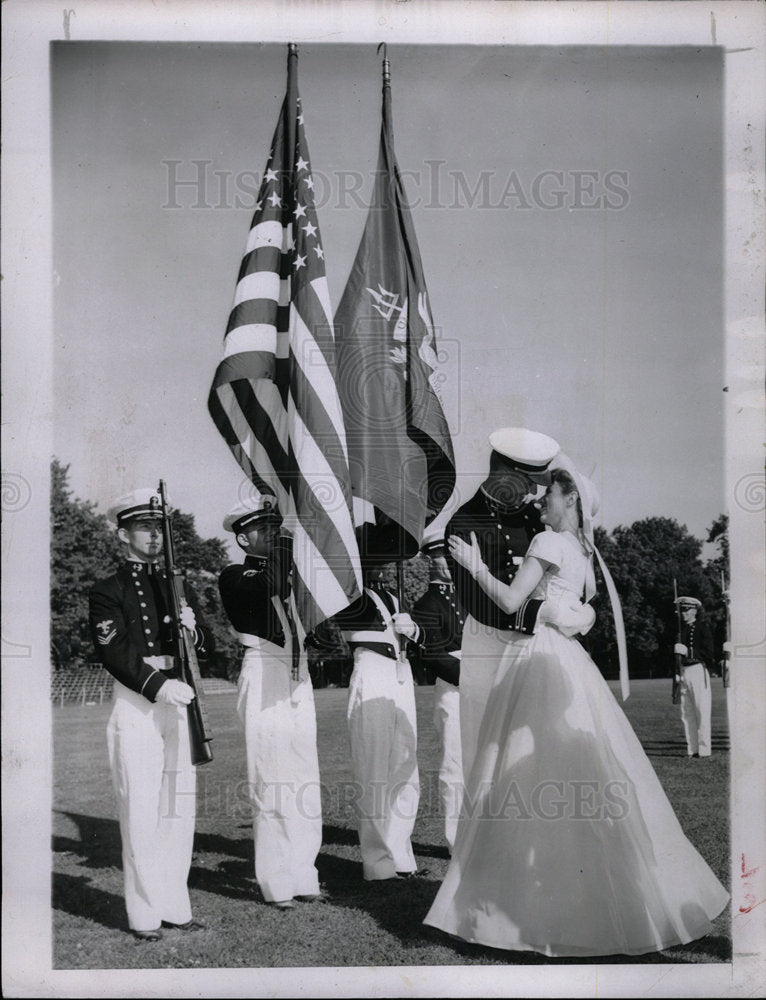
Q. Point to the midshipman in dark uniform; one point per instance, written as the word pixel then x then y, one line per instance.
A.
pixel 275 705
pixel 441 622
pixel 503 516
pixel 147 733
pixel 382 728
pixel 697 656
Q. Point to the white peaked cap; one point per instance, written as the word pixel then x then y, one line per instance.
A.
pixel 433 539
pixel 523 447
pixel 255 509
pixel 143 502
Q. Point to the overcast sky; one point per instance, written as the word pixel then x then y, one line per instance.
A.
pixel 568 205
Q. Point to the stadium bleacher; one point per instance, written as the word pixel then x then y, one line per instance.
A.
pixel 92 685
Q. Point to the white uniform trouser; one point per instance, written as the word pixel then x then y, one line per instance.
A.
pixel 283 774
pixel 383 732
pixel 155 785
pixel 447 725
pixel 696 706
pixel 482 649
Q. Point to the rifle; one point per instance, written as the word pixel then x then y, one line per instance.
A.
pixel 676 682
pixel 199 729
pixel 725 661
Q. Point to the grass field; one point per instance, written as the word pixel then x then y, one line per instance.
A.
pixel 358 924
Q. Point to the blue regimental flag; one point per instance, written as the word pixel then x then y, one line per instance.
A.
pixel 400 450
pixel 274 397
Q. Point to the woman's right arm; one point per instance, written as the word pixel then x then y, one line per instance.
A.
pixel 508 597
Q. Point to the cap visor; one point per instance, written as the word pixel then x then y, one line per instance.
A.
pixel 542 476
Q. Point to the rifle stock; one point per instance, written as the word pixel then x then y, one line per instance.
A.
pixel 199 728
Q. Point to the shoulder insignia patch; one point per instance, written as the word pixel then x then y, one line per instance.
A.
pixel 251 572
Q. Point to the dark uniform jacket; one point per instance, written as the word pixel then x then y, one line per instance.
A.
pixel 502 537
pixel 127 622
pixel 247 590
pixel 697 638
pixel 364 615
pixel 441 623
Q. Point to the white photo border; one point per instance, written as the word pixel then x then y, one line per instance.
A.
pixel 29 27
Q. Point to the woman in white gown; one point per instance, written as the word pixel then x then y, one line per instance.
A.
pixel 567 844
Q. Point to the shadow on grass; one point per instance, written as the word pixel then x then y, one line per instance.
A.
pixel 74 894
pixel 223 866
pixel 440 851
pixel 399 906
pixel 340 835
pixel 99 845
pixel 714 948
pixel 677 747
pixel 347 836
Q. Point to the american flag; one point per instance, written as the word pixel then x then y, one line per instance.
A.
pixel 274 397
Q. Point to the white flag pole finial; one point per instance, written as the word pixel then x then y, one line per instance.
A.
pixel 386 65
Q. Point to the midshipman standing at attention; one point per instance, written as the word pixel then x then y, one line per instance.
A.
pixel 441 622
pixel 275 705
pixel 695 655
pixel 382 726
pixel 148 731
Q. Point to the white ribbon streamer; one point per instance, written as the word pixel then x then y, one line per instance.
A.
pixel 619 627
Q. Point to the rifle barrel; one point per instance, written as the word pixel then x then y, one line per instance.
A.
pixel 199 728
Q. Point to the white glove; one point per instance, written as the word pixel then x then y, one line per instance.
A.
pixel 466 554
pixel 175 692
pixel 568 615
pixel 188 619
pixel 680 649
pixel 404 625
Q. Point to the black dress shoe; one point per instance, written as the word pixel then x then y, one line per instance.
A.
pixel 312 897
pixel 190 925
pixel 155 935
pixel 420 873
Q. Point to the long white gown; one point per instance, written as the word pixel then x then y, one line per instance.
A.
pixel 567 844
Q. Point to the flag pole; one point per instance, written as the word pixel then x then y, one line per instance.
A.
pixel 292 110
pixel 386 74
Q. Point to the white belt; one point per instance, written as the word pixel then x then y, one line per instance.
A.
pixel 704 675
pixel 262 645
pixel 386 635
pixel 363 636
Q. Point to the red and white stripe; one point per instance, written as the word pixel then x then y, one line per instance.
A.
pixel 274 397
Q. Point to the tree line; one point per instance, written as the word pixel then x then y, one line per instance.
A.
pixel 644 560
